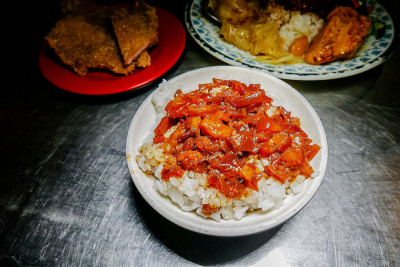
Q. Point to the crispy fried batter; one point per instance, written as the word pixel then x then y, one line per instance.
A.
pixel 143 60
pixel 84 39
pixel 340 38
pixel 82 45
pixel 135 30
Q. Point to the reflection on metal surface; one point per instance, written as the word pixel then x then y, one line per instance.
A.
pixel 275 258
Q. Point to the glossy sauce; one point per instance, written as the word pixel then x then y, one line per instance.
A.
pixel 220 125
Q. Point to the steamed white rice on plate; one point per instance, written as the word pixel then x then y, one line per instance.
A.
pixel 181 199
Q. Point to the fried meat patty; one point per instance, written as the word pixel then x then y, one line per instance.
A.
pixel 135 30
pixel 87 40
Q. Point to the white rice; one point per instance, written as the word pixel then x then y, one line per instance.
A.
pixel 190 192
pixel 307 24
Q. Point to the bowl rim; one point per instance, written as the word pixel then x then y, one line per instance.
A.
pixel 223 228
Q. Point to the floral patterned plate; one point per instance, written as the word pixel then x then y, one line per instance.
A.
pixel 372 53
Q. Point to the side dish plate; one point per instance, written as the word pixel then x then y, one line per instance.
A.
pixel 143 124
pixel 172 40
pixel 371 54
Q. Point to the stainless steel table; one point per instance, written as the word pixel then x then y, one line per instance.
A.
pixel 67 198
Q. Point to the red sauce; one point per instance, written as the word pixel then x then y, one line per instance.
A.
pixel 217 132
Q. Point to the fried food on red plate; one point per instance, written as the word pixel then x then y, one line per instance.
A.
pixel 83 45
pixel 136 30
pixel 340 38
pixel 85 39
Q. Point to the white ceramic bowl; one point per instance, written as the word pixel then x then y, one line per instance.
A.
pixel 143 124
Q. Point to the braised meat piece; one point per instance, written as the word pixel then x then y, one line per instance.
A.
pixel 340 38
pixel 136 30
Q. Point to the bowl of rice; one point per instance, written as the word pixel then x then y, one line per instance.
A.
pixel 187 178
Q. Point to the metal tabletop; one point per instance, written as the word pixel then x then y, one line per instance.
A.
pixel 67 197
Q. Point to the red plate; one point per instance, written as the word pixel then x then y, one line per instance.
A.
pixel 172 40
